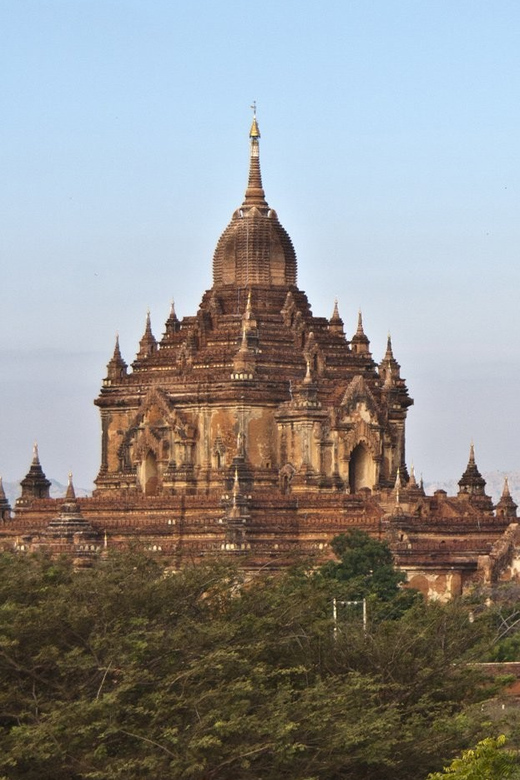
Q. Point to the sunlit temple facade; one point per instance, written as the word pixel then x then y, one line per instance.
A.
pixel 259 431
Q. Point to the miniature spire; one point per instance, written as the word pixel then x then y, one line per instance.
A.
pixel 245 359
pixel 172 324
pixel 389 353
pixel 116 368
pixel 255 195
pixel 70 495
pixel 172 317
pixel 472 482
pixel 335 322
pixel 389 368
pixel 360 343
pixel 413 481
pixel 249 320
pixel 506 507
pixel 148 344
pixel 35 484
pixel 5 507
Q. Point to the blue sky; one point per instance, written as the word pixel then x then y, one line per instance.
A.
pixel 389 150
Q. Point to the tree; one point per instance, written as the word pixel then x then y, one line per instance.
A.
pixel 487 761
pixel 123 672
pixel 366 570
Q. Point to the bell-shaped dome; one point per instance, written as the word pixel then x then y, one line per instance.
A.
pixel 254 249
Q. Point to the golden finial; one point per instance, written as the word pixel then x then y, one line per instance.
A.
pixel 254 132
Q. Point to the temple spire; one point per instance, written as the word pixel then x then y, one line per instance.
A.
pixel 255 195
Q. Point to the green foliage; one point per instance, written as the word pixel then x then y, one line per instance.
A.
pixel 123 672
pixel 487 761
pixel 365 570
pixel 497 608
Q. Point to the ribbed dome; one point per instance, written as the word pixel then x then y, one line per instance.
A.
pixel 254 248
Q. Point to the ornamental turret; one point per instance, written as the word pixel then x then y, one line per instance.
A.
pixel 506 507
pixel 116 368
pixel 335 322
pixel 172 325
pixel 5 507
pixel 148 343
pixel 472 485
pixel 360 343
pixel 35 484
pixel 389 368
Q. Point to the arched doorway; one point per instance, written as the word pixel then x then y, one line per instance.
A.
pixel 150 475
pixel 361 471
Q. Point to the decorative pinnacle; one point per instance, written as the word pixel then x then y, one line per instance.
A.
pixel 471 454
pixel 335 313
pixel 117 349
pixel 70 494
pixel 360 323
pixel 36 457
pixel 255 131
pixel 506 492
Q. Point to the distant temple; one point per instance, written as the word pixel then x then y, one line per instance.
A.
pixel 259 431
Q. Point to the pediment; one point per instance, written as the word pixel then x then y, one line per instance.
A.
pixel 359 397
pixel 155 405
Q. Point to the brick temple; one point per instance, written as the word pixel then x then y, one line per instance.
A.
pixel 256 430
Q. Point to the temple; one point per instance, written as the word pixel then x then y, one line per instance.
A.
pixel 257 430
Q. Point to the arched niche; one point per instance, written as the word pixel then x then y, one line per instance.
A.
pixel 362 469
pixel 150 475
